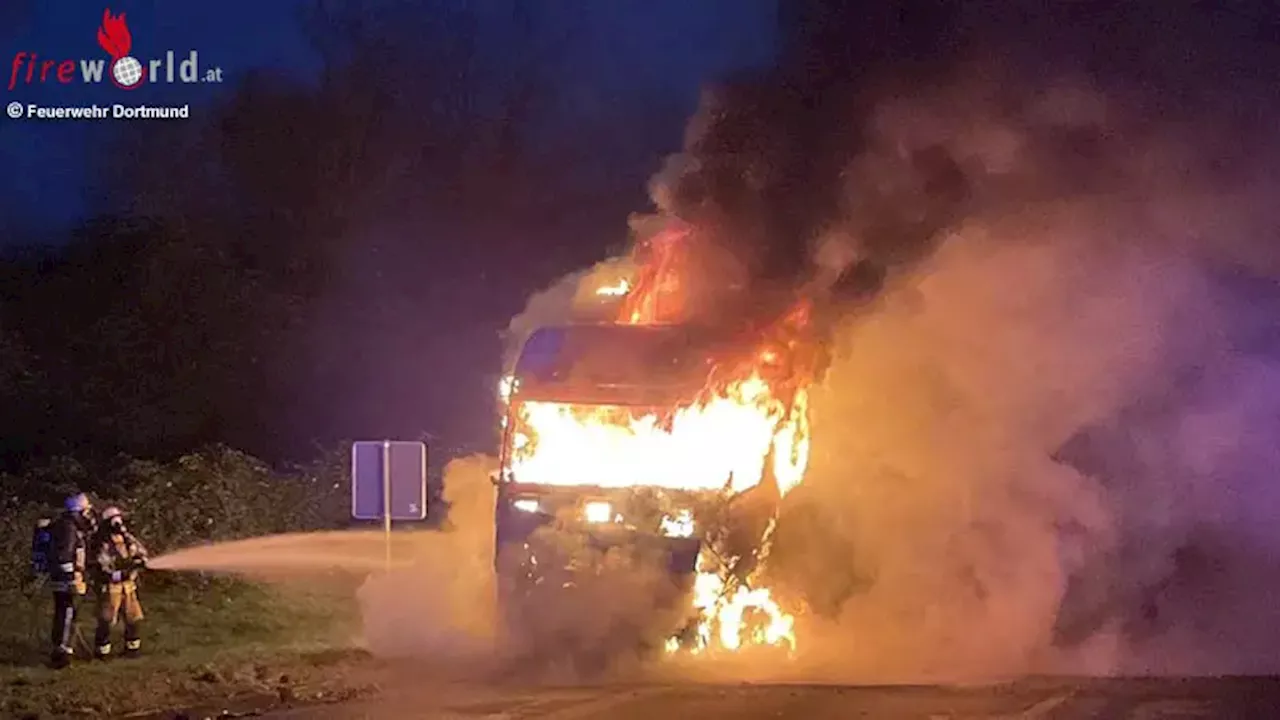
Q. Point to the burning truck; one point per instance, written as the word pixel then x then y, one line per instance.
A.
pixel 655 442
pixel 677 428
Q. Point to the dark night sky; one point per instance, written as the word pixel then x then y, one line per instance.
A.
pixel 625 77
pixel 629 54
pixel 47 183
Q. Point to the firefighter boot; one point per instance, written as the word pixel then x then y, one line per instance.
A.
pixel 60 658
pixel 102 639
pixel 132 640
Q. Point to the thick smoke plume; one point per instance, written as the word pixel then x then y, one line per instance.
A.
pixel 1086 288
pixel 1047 442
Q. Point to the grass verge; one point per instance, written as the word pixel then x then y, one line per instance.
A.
pixel 205 639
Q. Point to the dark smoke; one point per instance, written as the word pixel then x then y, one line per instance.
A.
pixel 746 184
pixel 800 181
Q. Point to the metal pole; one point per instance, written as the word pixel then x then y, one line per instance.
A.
pixel 386 500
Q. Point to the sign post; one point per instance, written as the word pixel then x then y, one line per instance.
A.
pixel 386 503
pixel 388 482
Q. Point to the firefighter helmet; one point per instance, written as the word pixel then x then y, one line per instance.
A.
pixel 78 503
pixel 112 513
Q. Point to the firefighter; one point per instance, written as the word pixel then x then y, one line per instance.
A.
pixel 70 537
pixel 120 557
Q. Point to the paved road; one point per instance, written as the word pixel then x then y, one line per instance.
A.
pixel 1237 699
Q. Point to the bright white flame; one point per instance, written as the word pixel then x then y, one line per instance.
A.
pixel 506 386
pixel 526 505
pixel 598 512
pixel 723 624
pixel 725 440
pixel 680 526
pixel 618 289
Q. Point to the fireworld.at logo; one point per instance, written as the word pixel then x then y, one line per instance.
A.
pixel 124 70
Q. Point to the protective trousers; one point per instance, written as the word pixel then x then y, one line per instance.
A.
pixel 113 601
pixel 64 623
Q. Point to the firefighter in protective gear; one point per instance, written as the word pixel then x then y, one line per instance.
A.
pixel 70 537
pixel 120 557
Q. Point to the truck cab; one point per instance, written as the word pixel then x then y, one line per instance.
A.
pixel 612 375
pixel 590 383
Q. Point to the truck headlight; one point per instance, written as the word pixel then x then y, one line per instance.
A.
pixel 597 511
pixel 678 526
pixel 528 505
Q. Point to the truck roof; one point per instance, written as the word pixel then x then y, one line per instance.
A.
pixel 604 363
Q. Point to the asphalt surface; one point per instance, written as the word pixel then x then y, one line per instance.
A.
pixel 1234 698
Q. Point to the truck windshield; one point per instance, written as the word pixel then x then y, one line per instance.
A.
pixel 613 446
pixel 584 357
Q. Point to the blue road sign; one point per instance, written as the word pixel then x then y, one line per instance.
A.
pixel 388 477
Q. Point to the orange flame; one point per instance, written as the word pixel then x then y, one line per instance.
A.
pixel 657 294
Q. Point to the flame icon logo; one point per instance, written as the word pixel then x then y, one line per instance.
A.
pixel 114 37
